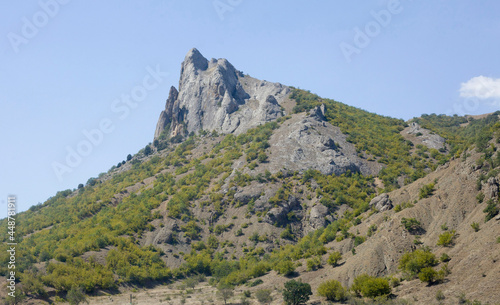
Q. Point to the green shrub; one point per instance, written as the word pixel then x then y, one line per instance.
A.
pixel 287 233
pixel 358 240
pixel 440 295
pixel 426 191
pixel 480 197
pixel 263 296
pixel 446 239
pixel 370 287
pixel 285 267
pixel 332 291
pixel 256 282
pixel 76 296
pixel 334 258
pixel 445 258
pixel 394 281
pixel 411 225
pixel 296 292
pixel 413 262
pixel 491 210
pixel 313 263
pixel 372 229
pixel 191 230
pixel 475 226
pixel 428 274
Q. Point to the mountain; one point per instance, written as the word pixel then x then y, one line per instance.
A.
pixel 253 183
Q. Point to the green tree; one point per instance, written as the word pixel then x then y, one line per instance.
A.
pixel 332 291
pixel 76 296
pixel 491 210
pixel 147 150
pixel 32 284
pixel 296 293
pixel 225 292
pixel 263 296
pixel 17 299
pixel 334 258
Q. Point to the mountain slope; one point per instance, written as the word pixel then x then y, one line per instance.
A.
pixel 249 179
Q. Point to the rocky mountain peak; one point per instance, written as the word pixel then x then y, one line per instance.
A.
pixel 213 95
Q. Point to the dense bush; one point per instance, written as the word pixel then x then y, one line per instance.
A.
pixel 332 291
pixel 412 262
pixel 334 258
pixel 296 293
pixel 491 210
pixel 446 238
pixel 426 191
pixel 370 287
pixel 411 225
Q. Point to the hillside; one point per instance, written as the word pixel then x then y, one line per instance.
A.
pixel 249 180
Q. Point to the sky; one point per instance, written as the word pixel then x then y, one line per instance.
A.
pixel 69 68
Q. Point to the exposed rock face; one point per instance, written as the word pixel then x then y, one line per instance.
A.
pixel 309 142
pixel 418 135
pixel 382 202
pixel 279 215
pixel 491 188
pixel 247 194
pixel 166 115
pixel 165 235
pixel 213 95
pixel 317 218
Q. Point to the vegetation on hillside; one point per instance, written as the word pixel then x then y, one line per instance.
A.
pixel 113 213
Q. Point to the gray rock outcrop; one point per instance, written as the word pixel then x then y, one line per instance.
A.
pixel 491 188
pixel 279 215
pixel 317 218
pixel 420 135
pixel 213 95
pixel 166 234
pixel 382 202
pixel 307 141
pixel 247 194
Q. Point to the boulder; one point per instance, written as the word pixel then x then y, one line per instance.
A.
pixel 382 202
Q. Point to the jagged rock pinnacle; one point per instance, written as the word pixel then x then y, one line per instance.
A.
pixel 213 95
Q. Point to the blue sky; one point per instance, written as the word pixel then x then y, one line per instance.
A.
pixel 65 64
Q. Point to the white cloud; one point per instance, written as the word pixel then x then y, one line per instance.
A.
pixel 483 88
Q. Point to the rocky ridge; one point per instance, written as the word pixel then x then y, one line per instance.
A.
pixel 214 96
